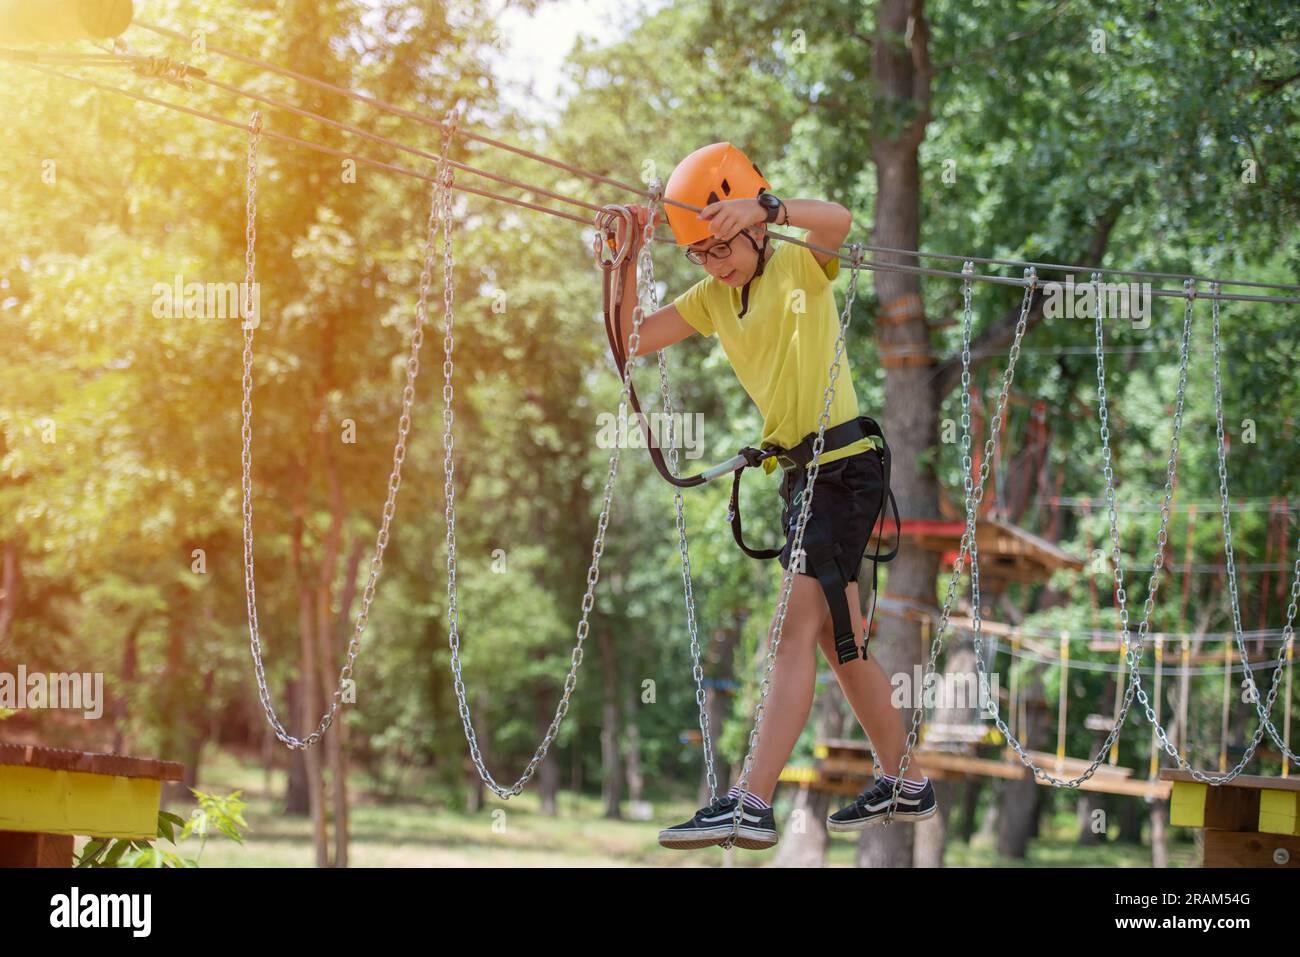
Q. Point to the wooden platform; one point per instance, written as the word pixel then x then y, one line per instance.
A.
pixel 1251 821
pixel 1008 553
pixel 844 767
pixel 50 795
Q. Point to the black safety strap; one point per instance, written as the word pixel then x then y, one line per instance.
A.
pixel 877 558
pixel 612 290
pixel 826 566
pixel 822 557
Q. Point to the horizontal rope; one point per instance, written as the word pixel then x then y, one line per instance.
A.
pixel 645 194
pixel 869 265
pixel 385 141
pixel 285 138
pixel 900 608
pixel 1259 504
pixel 1103 667
pixel 387 107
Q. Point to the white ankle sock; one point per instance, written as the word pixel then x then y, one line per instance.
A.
pixel 909 787
pixel 751 800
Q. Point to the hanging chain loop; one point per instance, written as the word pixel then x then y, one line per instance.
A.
pixel 399 448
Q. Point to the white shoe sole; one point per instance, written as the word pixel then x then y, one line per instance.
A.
pixel 840 827
pixel 747 837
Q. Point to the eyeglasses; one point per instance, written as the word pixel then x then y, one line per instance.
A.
pixel 718 250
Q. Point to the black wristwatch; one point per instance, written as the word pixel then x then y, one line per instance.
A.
pixel 771 204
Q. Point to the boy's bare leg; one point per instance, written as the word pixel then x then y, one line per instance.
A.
pixel 794 678
pixel 867 689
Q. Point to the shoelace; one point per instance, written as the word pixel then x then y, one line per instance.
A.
pixel 876 789
pixel 716 806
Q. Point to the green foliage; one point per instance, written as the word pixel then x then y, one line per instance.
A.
pixel 219 814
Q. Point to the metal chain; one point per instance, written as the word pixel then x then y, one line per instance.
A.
pixel 1134 652
pixel 399 450
pixel 598 547
pixel 787 584
pixel 697 669
pixel 1264 712
pixel 1131 686
pixel 973 498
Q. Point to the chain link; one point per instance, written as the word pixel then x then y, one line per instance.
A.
pixel 1116 557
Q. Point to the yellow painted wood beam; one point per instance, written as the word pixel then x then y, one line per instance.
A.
pixel 46 801
pixel 1187 804
pixel 1278 812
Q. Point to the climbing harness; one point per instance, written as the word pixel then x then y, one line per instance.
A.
pixel 823 555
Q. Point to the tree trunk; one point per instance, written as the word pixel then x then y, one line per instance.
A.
pixel 1044 805
pixel 121 741
pixel 1160 834
pixel 611 785
pixel 335 739
pixel 1017 811
pixel 900 76
pixel 180 733
pixel 633 773
pixel 8 589
pixel 805 839
pixel 477 797
pixel 337 640
pixel 972 788
pixel 722 656
pixel 548 772
pixel 1017 818
pixel 297 794
pixel 309 709
pixel 1088 803
pixel 1130 821
pixel 331 548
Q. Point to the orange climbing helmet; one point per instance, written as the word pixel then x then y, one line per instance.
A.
pixel 709 175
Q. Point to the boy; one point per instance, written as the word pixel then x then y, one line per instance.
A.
pixel 774 313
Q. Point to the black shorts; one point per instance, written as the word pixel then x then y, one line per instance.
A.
pixel 849 498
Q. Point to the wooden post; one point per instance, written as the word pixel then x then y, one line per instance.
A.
pixel 1223 725
pixel 1063 705
pixel 1155 704
pixel 1013 692
pixel 1119 696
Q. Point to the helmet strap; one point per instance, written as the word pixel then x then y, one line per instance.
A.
pixel 758 271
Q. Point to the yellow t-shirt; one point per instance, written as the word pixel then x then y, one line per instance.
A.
pixel 782 348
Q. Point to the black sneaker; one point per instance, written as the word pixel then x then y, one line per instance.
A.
pixel 872 807
pixel 712 826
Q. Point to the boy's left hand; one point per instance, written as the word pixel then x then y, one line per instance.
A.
pixel 729 216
